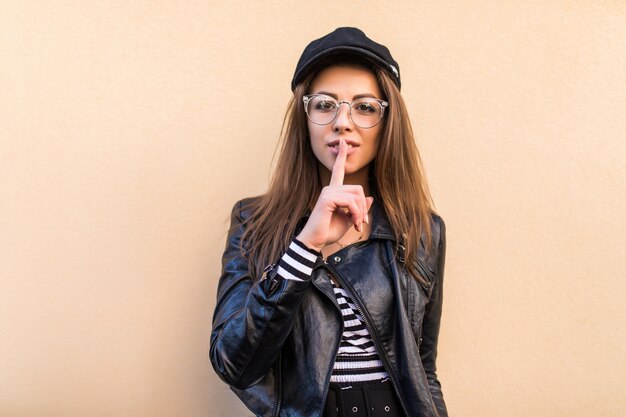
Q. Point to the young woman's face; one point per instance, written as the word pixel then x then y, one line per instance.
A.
pixel 345 84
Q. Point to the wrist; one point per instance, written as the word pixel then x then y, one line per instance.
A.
pixel 308 244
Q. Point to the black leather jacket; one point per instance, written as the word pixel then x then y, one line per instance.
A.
pixel 274 341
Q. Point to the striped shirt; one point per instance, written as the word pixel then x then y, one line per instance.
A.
pixel 357 358
pixel 297 263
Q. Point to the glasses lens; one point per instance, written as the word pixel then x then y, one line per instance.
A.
pixel 366 112
pixel 321 109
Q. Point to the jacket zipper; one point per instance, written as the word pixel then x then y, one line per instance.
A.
pixel 280 386
pixel 330 371
pixel 341 324
pixel 381 352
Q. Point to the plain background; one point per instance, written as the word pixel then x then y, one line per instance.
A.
pixel 128 129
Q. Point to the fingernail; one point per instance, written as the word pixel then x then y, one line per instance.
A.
pixel 367 218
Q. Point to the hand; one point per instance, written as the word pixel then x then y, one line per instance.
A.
pixel 338 208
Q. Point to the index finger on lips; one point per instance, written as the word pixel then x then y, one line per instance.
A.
pixel 339 168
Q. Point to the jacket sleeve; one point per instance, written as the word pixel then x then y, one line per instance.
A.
pixel 252 317
pixel 431 324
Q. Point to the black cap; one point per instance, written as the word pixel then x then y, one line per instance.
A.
pixel 345 41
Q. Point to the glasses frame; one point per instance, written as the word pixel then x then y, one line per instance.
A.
pixel 309 97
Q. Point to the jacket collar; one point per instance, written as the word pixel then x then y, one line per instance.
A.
pixel 381 228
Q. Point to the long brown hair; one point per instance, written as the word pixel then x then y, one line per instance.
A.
pixel 396 177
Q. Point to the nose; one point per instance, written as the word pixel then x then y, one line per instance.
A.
pixel 343 121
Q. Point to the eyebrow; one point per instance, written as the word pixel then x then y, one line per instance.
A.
pixel 336 97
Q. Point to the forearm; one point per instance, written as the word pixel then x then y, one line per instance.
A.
pixel 252 323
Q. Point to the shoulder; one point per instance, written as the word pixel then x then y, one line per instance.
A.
pixel 244 208
pixel 241 212
pixel 438 230
pixel 439 245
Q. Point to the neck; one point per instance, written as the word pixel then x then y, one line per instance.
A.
pixel 360 177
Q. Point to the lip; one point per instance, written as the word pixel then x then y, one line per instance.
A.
pixel 335 150
pixel 335 142
pixel 353 146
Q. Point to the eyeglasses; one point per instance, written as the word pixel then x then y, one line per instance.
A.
pixel 365 112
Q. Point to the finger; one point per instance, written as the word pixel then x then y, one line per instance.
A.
pixel 356 214
pixel 358 191
pixel 339 168
pixel 364 204
pixel 370 201
pixel 350 207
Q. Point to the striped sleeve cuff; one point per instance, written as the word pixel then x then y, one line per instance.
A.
pixel 298 262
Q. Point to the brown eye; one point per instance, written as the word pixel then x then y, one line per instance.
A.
pixel 365 107
pixel 325 105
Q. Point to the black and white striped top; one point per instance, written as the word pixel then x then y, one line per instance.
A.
pixel 357 359
pixel 297 263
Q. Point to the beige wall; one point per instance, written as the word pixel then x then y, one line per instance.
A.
pixel 128 130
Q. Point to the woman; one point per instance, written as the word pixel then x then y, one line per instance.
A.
pixel 329 301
